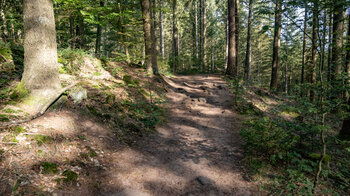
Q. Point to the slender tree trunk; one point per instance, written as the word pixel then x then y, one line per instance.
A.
pixel 196 27
pixel 347 60
pixel 338 29
pixel 161 27
pixel 204 33
pixel 99 34
pixel 314 48
pixel 154 44
pixel 330 47
pixel 231 64
pixel 3 29
pixel 71 30
pixel 304 49
pixel 237 30
pixel 249 37
pixel 40 48
pixel 175 39
pixel 276 46
pixel 81 32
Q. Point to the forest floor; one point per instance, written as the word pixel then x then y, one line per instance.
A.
pixel 106 144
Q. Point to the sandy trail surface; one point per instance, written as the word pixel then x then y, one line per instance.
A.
pixel 196 152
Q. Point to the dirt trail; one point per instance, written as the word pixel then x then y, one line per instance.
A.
pixel 197 152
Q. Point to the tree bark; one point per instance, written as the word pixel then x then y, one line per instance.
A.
pixel 237 23
pixel 151 56
pixel 204 34
pixel 247 70
pixel 314 48
pixel 175 39
pixel 338 29
pixel 276 46
pixel 304 49
pixel 231 63
pixel 99 34
pixel 347 60
pixel 40 48
pixel 161 27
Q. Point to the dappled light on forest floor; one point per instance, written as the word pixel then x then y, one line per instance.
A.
pixel 197 151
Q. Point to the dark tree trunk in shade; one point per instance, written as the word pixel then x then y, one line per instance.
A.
pixel 314 48
pixel 99 34
pixel 237 23
pixel 161 27
pixel 304 48
pixel 276 46
pixel 247 67
pixel 175 39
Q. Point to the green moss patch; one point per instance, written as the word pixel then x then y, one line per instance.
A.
pixel 20 91
pixel 70 176
pixel 42 139
pixel 49 168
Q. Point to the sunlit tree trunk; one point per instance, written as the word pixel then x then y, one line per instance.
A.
pixel 231 63
pixel 204 35
pixel 161 27
pixel 247 67
pixel 276 46
pixel 40 48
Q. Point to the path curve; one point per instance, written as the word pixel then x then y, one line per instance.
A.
pixel 197 152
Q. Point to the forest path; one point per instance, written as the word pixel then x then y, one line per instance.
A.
pixel 197 152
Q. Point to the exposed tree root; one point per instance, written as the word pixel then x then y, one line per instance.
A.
pixel 36 105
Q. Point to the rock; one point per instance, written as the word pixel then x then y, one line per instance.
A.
pixel 78 94
pixel 203 100
pixel 204 180
pixel 131 192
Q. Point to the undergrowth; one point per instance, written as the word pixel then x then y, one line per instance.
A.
pixel 283 154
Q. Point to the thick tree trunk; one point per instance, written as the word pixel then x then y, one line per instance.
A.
pixel 231 63
pixel 175 39
pixel 204 36
pixel 338 29
pixel 40 48
pixel 304 48
pixel 154 43
pixel 247 67
pixel 276 46
pixel 81 32
pixel 151 56
pixel 314 48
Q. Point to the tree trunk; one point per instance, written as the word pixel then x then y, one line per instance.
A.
pixel 276 46
pixel 204 36
pixel 40 48
pixel 196 27
pixel 175 39
pixel 338 29
pixel 99 34
pixel 72 33
pixel 237 23
pixel 304 48
pixel 151 56
pixel 347 60
pixel 154 43
pixel 81 33
pixel 231 63
pixel 314 48
pixel 161 27
pixel 330 47
pixel 247 67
